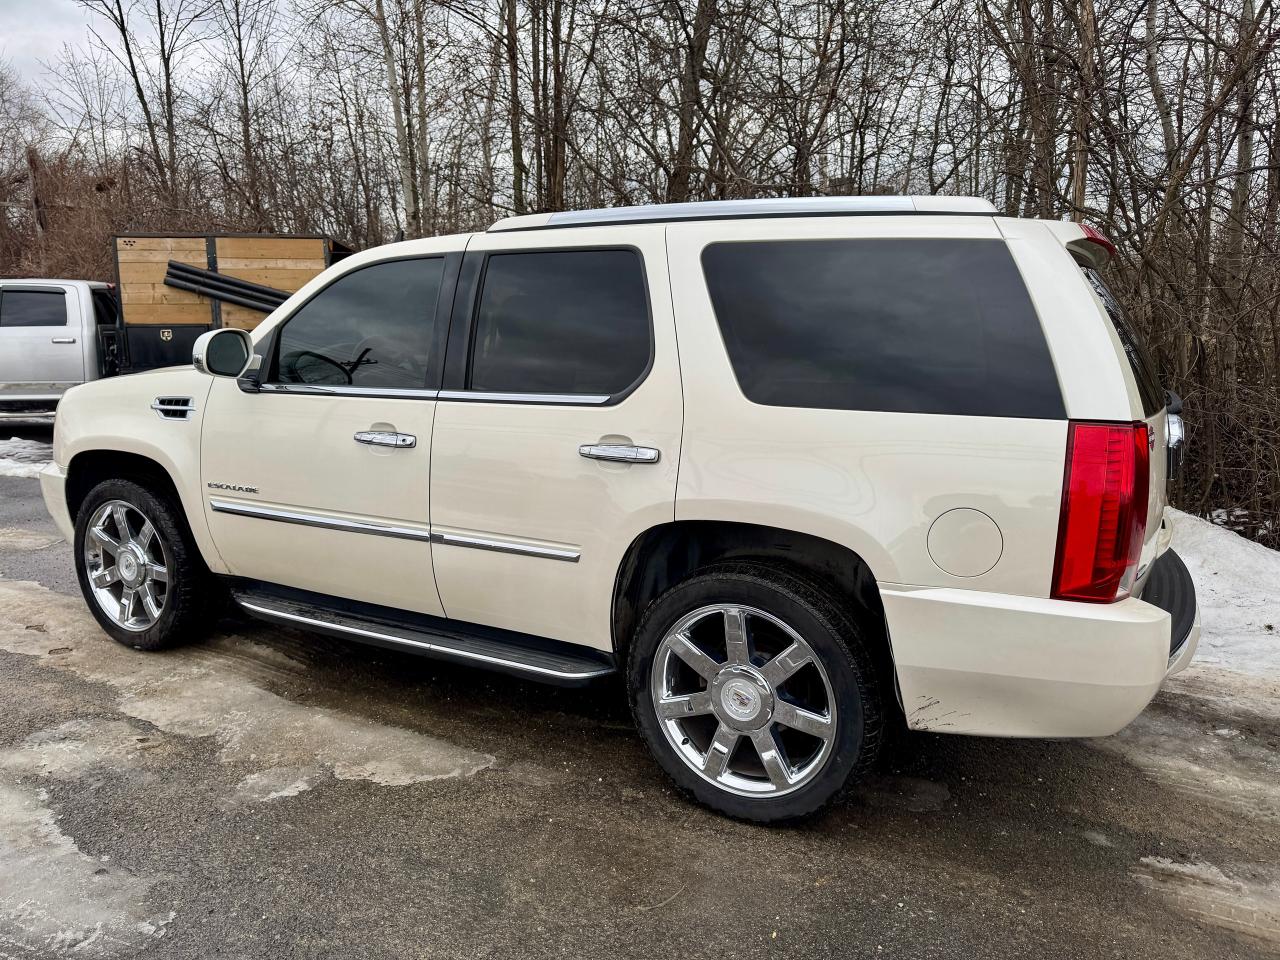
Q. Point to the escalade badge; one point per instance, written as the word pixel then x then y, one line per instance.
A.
pixel 233 487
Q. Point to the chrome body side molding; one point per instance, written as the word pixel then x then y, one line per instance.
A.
pixel 319 520
pixel 329 522
pixel 567 554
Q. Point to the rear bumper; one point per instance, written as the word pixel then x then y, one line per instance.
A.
pixel 53 485
pixel 1169 587
pixel 1005 666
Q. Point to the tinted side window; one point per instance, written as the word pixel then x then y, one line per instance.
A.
pixel 369 328
pixel 33 308
pixel 1144 370
pixel 915 326
pixel 570 321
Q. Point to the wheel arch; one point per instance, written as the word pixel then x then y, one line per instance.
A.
pixel 89 467
pixel 665 554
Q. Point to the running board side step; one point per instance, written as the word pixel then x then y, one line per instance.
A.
pixel 504 651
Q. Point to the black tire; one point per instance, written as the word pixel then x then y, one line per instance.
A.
pixel 191 601
pixel 835 639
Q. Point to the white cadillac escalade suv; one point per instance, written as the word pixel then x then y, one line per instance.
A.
pixel 796 469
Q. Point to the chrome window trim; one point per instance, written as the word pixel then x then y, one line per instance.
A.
pixel 480 396
pixel 496 544
pixel 272 614
pixel 389 393
pixel 318 520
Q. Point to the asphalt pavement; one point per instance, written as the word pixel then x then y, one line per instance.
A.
pixel 273 793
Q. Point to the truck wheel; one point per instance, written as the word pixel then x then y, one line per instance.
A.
pixel 752 688
pixel 139 570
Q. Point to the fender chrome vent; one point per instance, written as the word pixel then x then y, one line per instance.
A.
pixel 174 408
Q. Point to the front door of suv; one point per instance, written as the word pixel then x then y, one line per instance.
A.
pixel 320 481
pixel 561 356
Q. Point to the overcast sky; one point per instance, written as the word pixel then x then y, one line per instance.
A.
pixel 32 31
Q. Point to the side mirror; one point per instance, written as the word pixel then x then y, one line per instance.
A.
pixel 223 353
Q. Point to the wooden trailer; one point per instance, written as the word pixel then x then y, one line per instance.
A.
pixel 160 321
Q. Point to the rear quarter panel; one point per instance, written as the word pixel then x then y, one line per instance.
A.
pixel 874 482
pixel 1093 369
pixel 988 654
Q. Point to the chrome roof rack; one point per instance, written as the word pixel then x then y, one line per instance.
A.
pixel 733 209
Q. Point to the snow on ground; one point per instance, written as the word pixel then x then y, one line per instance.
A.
pixel 23 458
pixel 1238 588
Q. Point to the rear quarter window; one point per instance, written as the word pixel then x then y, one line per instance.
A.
pixel 939 326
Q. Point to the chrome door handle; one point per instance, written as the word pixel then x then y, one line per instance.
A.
pixel 618 453
pixel 385 438
pixel 63 340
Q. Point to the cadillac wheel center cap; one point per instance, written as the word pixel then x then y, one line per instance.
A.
pixel 128 566
pixel 741 700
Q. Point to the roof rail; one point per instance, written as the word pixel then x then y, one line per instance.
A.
pixel 734 209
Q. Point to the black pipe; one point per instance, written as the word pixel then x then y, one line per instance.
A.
pixel 213 275
pixel 224 295
pixel 177 279
pixel 212 279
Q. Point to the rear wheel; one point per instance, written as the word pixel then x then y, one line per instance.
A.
pixel 140 572
pixel 754 692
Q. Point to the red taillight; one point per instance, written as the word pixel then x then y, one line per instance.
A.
pixel 1094 235
pixel 1104 511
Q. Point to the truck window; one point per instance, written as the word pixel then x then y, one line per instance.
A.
pixel 33 308
pixel 906 325
pixel 105 307
pixel 1144 370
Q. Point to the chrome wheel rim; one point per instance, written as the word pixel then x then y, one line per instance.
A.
pixel 743 700
pixel 127 564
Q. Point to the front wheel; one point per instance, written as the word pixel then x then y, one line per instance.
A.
pixel 753 690
pixel 139 571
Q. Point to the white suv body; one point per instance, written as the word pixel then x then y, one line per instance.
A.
pixel 574 431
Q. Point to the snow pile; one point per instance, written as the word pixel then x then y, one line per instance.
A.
pixel 23 458
pixel 1238 588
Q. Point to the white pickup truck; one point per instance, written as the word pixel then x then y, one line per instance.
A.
pixel 54 334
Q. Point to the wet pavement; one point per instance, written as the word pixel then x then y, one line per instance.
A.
pixel 270 792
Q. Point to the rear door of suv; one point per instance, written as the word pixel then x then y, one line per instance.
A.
pixel 557 431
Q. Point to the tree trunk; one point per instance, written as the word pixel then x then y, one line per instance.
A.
pixel 519 171
pixel 680 181
pixel 1233 314
pixel 412 224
